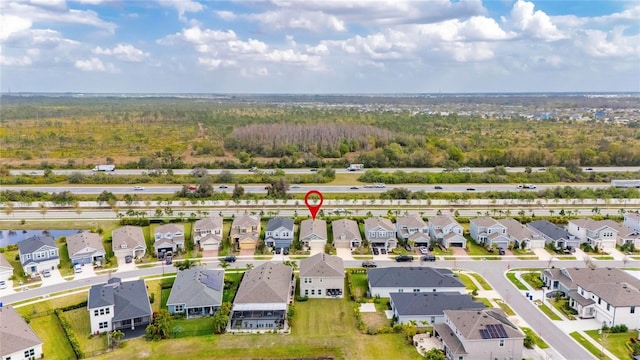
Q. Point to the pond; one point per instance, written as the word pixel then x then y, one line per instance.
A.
pixel 9 237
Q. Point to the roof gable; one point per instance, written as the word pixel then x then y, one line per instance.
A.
pixel 15 334
pixel 279 222
pixel 197 287
pixel 322 265
pixel 84 240
pixel 35 243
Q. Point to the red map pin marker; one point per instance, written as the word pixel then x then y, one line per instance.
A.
pixel 313 208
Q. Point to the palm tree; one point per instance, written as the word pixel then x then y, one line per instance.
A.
pixel 116 336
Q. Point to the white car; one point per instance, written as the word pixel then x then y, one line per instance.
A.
pixel 77 268
pixel 424 250
pixel 139 188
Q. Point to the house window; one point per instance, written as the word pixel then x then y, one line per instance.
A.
pixel 104 325
pixel 95 312
pixel 313 291
pixel 106 311
pixel 30 354
pixel 599 301
pixel 319 291
pixel 460 357
pixel 416 290
pixel 400 290
pixel 179 308
pixel 608 307
pixel 633 309
pixel 306 292
pixel 501 342
pixel 101 311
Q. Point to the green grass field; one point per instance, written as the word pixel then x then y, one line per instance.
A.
pixel 538 340
pixel 588 345
pixel 79 320
pixel 507 309
pixel 615 342
pixel 512 277
pixel 468 283
pixel 56 345
pixel 533 279
pixel 547 311
pixel 485 285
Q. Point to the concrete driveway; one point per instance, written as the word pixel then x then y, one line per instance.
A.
pixel 87 272
pixel 55 278
pixel 123 266
pixel 344 253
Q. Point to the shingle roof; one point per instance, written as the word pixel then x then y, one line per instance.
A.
pixel 322 265
pixel 549 229
pixel 470 322
pixel 29 245
pixel 632 216
pixel 346 227
pixel 516 230
pixel 411 221
pixel 484 221
pixel 371 223
pixel 83 240
pixel 197 287
pixel 130 299
pixel 622 229
pixel 310 227
pixel 244 220
pixel 267 283
pixel 589 224
pixel 15 333
pixel 4 263
pixel 450 339
pixel 411 277
pixel 278 222
pixel 432 303
pixel 442 220
pixel 169 228
pixel 211 222
pixel 130 235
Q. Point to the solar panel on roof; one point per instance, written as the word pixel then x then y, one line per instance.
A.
pixel 484 334
pixel 211 282
pixel 493 331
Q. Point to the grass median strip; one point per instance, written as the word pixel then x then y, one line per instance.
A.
pixel 536 339
pixel 588 345
pixel 512 277
pixel 547 311
pixel 485 285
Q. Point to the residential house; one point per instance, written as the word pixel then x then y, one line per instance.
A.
pixel 128 240
pixel 85 248
pixel 625 234
pixel 610 295
pixel 427 308
pixel 118 305
pixel 279 232
pixel 489 232
pixel 207 233
pixel 245 232
pixel 553 234
pixel 6 270
pixel 380 233
pixel 632 220
pixel 445 230
pixel 168 237
pixel 346 234
pixel 384 281
pixel 479 334
pixel 196 292
pixel 413 229
pixel 17 339
pixel 322 276
pixel 263 298
pixel 38 253
pixel 599 234
pixel 313 233
pixel 521 236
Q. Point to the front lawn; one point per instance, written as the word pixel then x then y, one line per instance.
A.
pixel 485 285
pixel 476 249
pixel 507 309
pixel 563 306
pixel 547 311
pixel 512 277
pixel 536 339
pixel 616 343
pixel 533 279
pixel 466 280
pixel 588 345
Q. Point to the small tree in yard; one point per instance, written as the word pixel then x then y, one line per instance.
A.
pixel 434 354
pixel 221 318
pixel 160 326
pixel 116 336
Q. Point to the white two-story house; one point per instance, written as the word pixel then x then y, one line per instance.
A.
pixel 118 305
pixel 322 276
pixel 168 237
pixel 38 253
pixel 445 230
pixel 489 232
pixel 599 234
pixel 380 233
pixel 521 236
pixel 413 229
pixel 279 232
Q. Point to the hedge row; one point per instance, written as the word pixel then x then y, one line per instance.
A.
pixel 71 335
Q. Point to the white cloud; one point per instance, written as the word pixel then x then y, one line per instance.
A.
pixel 183 6
pixel 292 19
pixel 612 44
pixel 126 52
pixel 15 61
pixel 535 24
pixel 226 15
pixel 95 65
pixel 12 24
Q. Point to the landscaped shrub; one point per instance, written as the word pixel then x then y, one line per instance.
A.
pixel 71 335
pixel 528 341
pixel 619 328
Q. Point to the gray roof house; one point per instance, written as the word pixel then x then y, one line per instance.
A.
pixel 85 248
pixel 479 334
pixel 245 232
pixel 168 237
pixel 446 230
pixel 17 339
pixel 384 281
pixel 632 220
pixel 279 232
pixel 207 233
pixel 38 253
pixel 380 232
pixel 521 236
pixel 262 299
pixel 598 234
pixel 313 233
pixel 488 232
pixel 118 305
pixel 346 234
pixel 610 295
pixel 554 234
pixel 322 276
pixel 626 235
pixel 411 225
pixel 6 270
pixel 196 292
pixel 428 307
pixel 128 240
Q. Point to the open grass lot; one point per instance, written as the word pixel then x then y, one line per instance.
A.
pixel 360 285
pixel 615 342
pixel 485 285
pixel 55 341
pixel 538 340
pixel 51 304
pixel 533 279
pixel 79 320
pixel 155 287
pixel 321 327
pixel 232 281
pixel 512 277
pixel 192 327
pixel 588 345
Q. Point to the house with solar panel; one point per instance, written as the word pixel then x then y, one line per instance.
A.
pixel 479 334
pixel 196 292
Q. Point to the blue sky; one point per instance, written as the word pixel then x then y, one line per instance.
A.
pixel 330 46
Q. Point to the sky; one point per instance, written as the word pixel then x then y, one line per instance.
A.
pixel 318 47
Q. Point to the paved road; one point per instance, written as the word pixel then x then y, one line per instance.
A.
pixel 37 172
pixel 493 271
pixel 295 189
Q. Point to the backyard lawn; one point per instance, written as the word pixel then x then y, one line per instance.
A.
pixel 588 345
pixel 615 342
pixel 79 320
pixel 481 281
pixel 360 284
pixel 56 345
pixel 536 339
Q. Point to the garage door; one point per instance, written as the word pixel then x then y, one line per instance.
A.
pixel 247 246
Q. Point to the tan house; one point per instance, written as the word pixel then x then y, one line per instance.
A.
pixel 380 233
pixel 322 276
pixel 626 235
pixel 128 240
pixel 245 232
pixel 346 234
pixel 207 233
pixel 479 334
pixel 313 233
pixel 414 229
pixel 17 339
pixel 521 236
pixel 85 248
